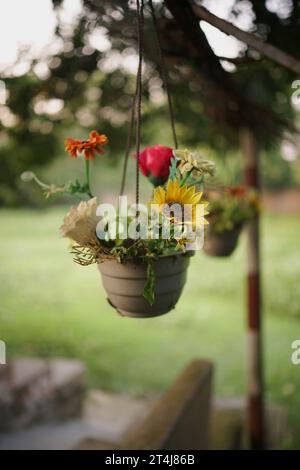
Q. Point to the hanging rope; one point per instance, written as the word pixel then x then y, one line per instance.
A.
pixel 128 142
pixel 134 100
pixel 140 17
pixel 164 74
pixel 137 98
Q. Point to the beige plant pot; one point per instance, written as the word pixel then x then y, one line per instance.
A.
pixel 124 285
pixel 222 244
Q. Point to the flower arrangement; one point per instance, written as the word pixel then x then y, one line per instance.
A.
pixel 177 177
pixel 231 208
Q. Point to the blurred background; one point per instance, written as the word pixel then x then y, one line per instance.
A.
pixel 67 67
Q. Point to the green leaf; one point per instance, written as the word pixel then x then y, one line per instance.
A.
pixel 76 187
pixel 150 284
pixel 173 169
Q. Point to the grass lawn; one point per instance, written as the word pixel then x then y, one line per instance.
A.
pixel 51 307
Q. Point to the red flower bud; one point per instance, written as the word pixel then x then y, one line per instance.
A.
pixel 155 163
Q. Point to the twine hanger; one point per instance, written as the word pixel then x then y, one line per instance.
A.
pixel 135 117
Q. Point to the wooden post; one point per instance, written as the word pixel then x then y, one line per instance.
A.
pixel 255 398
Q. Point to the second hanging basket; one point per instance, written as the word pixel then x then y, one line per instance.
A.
pixel 221 244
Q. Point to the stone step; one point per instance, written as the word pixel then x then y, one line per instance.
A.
pixel 38 390
pixel 23 372
pixel 107 418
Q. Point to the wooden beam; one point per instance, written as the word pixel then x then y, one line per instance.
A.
pixel 196 42
pixel 227 104
pixel 253 41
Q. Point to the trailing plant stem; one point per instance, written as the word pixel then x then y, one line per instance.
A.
pixel 87 177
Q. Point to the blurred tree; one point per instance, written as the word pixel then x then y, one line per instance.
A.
pixel 89 84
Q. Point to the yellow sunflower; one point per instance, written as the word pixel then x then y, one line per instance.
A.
pixel 184 196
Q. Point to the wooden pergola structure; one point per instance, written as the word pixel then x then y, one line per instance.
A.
pixel 183 30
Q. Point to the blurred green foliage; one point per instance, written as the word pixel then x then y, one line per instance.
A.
pixel 87 94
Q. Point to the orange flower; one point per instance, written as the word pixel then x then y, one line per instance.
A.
pixel 73 146
pixel 88 147
pixel 236 191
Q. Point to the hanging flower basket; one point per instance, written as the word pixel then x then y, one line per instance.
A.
pixel 142 252
pixel 230 209
pixel 124 285
pixel 143 276
pixel 221 244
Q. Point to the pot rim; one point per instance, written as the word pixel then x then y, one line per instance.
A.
pixel 235 228
pixel 137 260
